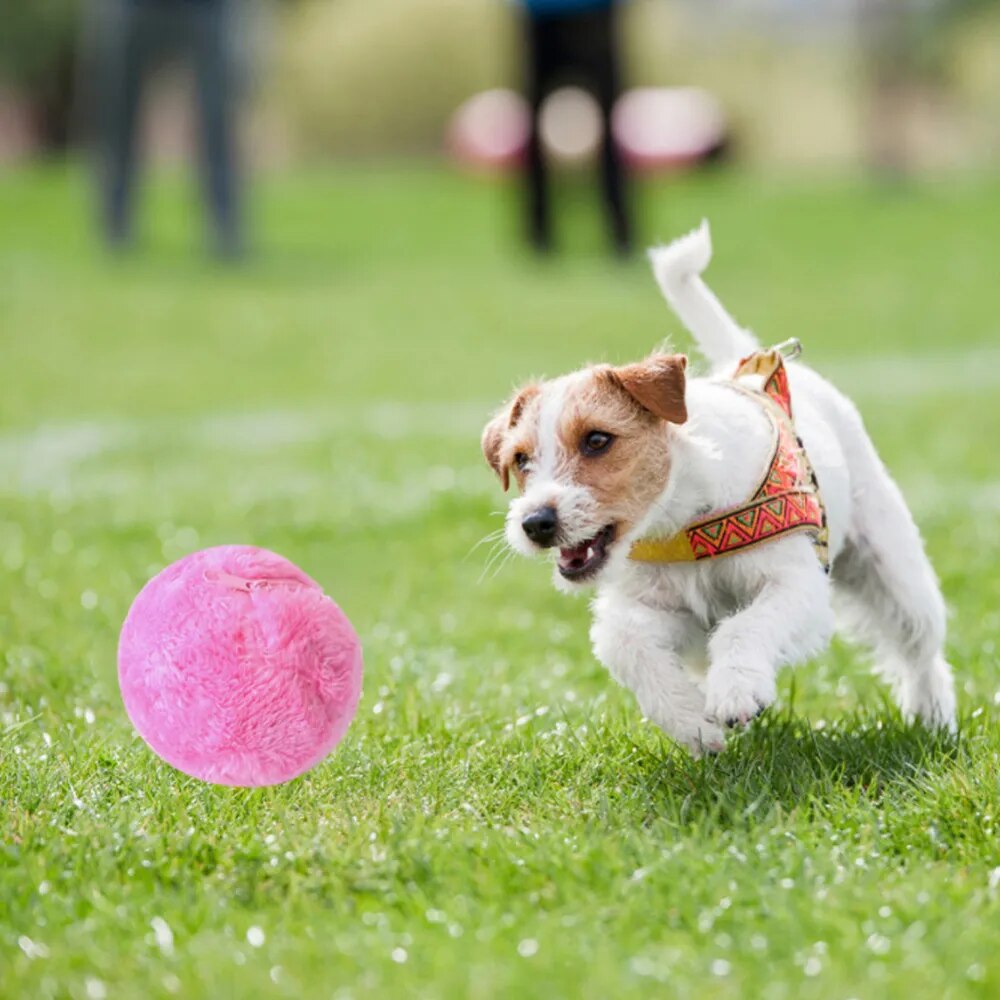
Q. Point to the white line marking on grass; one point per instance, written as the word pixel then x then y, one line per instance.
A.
pixel 886 376
pixel 903 376
pixel 67 458
pixel 100 459
pixel 36 458
pixel 162 468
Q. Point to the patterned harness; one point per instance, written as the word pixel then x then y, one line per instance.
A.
pixel 787 500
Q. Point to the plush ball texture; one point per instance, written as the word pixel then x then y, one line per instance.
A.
pixel 236 668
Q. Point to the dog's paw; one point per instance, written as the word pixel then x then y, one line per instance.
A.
pixel 735 696
pixel 929 697
pixel 702 738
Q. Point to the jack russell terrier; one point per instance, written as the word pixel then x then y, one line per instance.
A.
pixel 721 520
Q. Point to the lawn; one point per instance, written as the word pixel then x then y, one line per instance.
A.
pixel 499 821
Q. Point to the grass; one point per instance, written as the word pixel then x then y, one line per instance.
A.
pixel 498 821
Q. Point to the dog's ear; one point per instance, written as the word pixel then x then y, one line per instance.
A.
pixel 496 430
pixel 492 442
pixel 657 385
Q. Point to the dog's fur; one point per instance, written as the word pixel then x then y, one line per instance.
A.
pixel 700 643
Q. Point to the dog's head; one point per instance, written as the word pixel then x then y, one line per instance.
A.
pixel 590 453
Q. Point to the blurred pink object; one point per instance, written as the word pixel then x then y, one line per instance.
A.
pixel 660 128
pixel 490 130
pixel 570 125
pixel 655 128
pixel 236 668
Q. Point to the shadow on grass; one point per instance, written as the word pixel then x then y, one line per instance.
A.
pixel 783 765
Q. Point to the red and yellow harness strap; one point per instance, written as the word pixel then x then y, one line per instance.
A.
pixel 786 501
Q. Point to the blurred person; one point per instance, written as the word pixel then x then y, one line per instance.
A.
pixel 574 41
pixel 132 38
pixel 888 50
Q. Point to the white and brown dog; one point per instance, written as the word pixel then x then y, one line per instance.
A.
pixel 608 459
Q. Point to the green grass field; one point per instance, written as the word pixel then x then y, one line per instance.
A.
pixel 498 821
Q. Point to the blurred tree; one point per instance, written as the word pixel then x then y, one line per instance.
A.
pixel 374 76
pixel 909 52
pixel 38 44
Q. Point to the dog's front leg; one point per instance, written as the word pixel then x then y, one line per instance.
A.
pixel 642 647
pixel 789 620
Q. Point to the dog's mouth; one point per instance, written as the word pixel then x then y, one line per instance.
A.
pixel 584 560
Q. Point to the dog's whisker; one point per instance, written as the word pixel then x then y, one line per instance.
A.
pixel 498 565
pixel 494 551
pixel 498 557
pixel 491 537
pixel 497 552
pixel 497 543
pixel 486 572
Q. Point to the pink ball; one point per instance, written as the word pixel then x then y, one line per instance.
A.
pixel 236 668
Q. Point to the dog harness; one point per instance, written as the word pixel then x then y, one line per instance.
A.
pixel 787 500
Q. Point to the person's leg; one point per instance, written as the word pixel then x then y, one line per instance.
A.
pixel 539 57
pixel 212 31
pixel 119 77
pixel 608 86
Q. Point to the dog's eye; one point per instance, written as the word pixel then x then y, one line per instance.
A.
pixel 521 461
pixel 596 442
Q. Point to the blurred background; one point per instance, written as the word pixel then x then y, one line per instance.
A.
pixel 648 89
pixel 803 84
pixel 367 182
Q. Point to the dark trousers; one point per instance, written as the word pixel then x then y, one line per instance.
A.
pixel 134 37
pixel 577 47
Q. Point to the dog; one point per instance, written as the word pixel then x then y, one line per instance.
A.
pixel 618 467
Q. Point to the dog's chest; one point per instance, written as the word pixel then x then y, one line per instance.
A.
pixel 711 590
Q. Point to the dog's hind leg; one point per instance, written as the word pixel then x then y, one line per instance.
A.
pixel 886 593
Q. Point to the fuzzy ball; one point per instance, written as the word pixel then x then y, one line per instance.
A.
pixel 236 668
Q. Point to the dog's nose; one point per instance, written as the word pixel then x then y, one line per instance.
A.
pixel 541 526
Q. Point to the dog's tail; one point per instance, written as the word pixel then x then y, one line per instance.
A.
pixel 678 268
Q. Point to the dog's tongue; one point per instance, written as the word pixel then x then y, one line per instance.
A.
pixel 575 557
